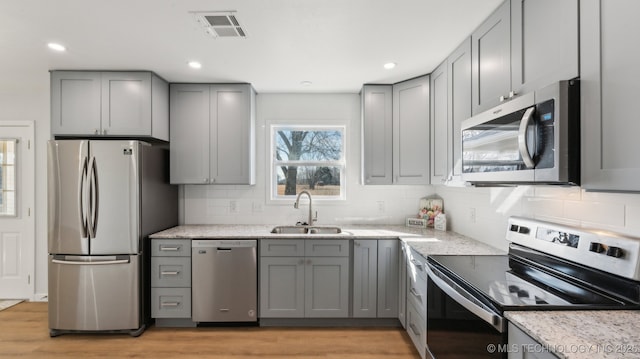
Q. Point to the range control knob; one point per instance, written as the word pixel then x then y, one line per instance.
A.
pixel 615 252
pixel 522 293
pixel 596 247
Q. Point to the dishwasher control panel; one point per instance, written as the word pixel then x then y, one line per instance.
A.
pixel 223 243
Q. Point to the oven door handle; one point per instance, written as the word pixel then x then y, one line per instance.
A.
pixel 461 296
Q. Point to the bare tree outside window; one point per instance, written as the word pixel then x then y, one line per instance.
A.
pixel 309 159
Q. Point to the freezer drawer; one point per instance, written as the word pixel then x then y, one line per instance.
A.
pixel 94 293
pixel 171 272
pixel 171 302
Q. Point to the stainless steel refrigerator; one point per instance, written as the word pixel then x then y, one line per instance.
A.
pixel 104 198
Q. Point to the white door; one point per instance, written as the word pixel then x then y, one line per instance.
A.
pixel 17 229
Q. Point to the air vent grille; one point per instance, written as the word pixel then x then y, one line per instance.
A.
pixel 221 24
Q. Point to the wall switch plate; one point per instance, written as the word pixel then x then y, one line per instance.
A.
pixel 472 215
pixel 381 208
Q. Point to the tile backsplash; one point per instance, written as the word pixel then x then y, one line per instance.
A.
pixel 617 212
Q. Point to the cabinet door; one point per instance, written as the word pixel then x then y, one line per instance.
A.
pixel 75 103
pixel 411 131
pixel 609 66
pixel 365 278
pixel 126 103
pixel 232 134
pixel 326 287
pixel 521 342
pixel 387 278
pixel 439 127
pixel 189 134
pixel 544 43
pixel 377 126
pixel 491 60
pixel 459 76
pixel 282 282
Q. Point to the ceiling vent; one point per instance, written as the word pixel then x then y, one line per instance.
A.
pixel 221 23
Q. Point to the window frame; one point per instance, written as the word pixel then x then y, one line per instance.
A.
pixel 274 163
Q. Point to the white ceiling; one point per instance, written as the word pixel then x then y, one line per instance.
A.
pixel 336 44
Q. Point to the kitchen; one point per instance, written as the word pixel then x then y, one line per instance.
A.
pixel 480 213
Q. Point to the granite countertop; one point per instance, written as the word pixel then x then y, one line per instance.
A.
pixel 583 334
pixel 426 241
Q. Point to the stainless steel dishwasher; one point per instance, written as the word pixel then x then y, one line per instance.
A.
pixel 224 280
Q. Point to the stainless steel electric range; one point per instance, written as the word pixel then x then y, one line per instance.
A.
pixel 548 267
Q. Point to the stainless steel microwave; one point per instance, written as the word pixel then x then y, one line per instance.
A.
pixel 534 138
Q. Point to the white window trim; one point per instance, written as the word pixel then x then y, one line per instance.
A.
pixel 271 161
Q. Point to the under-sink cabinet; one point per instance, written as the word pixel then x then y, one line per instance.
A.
pixel 304 278
pixel 171 281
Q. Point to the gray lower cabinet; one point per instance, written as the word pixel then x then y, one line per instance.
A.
pixel 92 103
pixel 304 278
pixel 170 279
pixel 411 131
pixel 375 278
pixel 521 345
pixel 609 69
pixel 212 134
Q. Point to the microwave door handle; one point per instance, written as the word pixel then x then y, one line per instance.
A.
pixel 522 138
pixel 461 296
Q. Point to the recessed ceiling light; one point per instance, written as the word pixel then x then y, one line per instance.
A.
pixel 195 64
pixel 306 83
pixel 389 65
pixel 56 47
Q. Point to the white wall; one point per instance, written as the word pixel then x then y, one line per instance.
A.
pixel 617 212
pixel 31 103
pixel 210 204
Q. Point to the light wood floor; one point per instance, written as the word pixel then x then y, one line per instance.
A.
pixel 24 333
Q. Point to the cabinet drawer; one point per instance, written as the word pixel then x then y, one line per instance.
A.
pixel 171 302
pixel 416 328
pixel 326 248
pixel 171 248
pixel 417 265
pixel 282 247
pixel 417 292
pixel 171 272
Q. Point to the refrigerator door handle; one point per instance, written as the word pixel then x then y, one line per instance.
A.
pixel 94 197
pixel 117 261
pixel 83 198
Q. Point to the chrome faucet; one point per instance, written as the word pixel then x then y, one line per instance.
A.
pixel 296 205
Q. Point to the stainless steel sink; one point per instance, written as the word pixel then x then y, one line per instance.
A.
pixel 305 230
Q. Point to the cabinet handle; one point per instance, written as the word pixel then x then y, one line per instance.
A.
pixel 206 180
pixel 169 273
pixel 512 94
pixel 169 249
pixel 502 99
pixel 415 294
pixel 357 244
pixel 169 304
pixel 414 330
pixel 301 262
pixel 308 261
pixel 417 264
pixel 97 132
pixel 104 132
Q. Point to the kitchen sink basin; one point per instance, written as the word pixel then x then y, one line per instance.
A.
pixel 305 230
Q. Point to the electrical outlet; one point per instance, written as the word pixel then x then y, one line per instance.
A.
pixel 233 206
pixel 381 208
pixel 472 215
pixel 257 207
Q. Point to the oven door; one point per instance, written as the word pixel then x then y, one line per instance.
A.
pixel 459 323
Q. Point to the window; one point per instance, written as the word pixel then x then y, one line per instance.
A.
pixel 308 158
pixel 8 177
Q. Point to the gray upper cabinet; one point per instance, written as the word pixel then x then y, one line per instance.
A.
pixel 459 106
pixel 609 67
pixel 365 268
pixel 411 131
pixel 377 137
pixel 491 60
pixel 387 278
pixel 132 104
pixel 544 43
pixel 212 134
pixel 440 135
